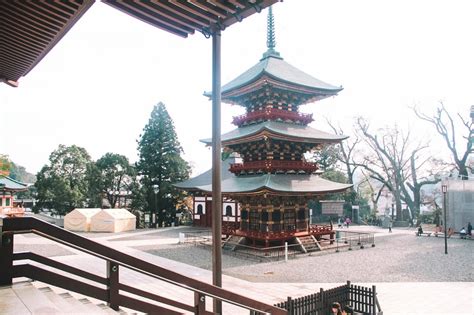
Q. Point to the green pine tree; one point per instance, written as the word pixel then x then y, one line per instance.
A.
pixel 160 164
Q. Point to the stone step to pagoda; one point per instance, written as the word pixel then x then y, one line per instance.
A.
pixel 308 244
pixel 232 242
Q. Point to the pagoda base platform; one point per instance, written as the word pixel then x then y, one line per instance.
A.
pixel 269 239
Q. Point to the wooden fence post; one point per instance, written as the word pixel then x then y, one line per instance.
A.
pixel 199 303
pixel 113 285
pixel 348 293
pixel 374 299
pixel 323 299
pixel 6 257
pixel 290 304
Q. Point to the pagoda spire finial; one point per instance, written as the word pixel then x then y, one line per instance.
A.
pixel 271 43
pixel 270 30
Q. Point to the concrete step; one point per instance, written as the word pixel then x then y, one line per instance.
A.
pixel 73 303
pixel 10 303
pixel 65 302
pixel 34 300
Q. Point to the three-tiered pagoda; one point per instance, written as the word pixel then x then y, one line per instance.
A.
pixel 273 183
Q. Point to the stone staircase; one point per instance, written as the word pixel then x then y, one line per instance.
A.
pixel 308 244
pixel 232 242
pixel 31 297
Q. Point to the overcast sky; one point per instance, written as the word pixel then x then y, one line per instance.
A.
pixel 97 87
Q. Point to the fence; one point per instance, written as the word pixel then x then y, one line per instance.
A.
pixel 274 253
pixel 362 300
pixel 351 239
pixel 197 237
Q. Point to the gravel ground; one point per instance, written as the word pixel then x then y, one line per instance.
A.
pixel 198 256
pixel 396 258
pixel 161 233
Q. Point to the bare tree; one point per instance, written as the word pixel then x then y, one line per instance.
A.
pixel 373 191
pixel 397 163
pixel 347 150
pixel 446 128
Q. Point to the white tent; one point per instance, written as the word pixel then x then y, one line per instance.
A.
pixel 113 220
pixel 79 220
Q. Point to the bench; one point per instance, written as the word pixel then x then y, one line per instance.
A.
pixel 424 233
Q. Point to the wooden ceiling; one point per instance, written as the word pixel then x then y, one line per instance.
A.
pixel 184 17
pixel 29 29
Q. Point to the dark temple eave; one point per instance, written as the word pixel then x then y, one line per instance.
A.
pixel 278 130
pixel 30 29
pixel 295 185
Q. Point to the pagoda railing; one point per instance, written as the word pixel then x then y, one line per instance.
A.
pixel 272 114
pixel 319 229
pixel 273 166
pixel 12 211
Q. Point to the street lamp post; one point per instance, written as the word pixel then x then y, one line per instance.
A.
pixel 156 189
pixel 444 188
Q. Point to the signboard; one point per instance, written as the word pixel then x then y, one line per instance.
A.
pixel 334 207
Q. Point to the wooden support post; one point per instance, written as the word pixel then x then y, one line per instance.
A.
pixel 113 285
pixel 6 257
pixel 199 303
pixel 216 167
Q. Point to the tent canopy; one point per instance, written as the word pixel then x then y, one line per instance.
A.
pixel 113 220
pixel 79 219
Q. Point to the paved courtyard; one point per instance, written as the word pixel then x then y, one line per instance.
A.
pixel 412 274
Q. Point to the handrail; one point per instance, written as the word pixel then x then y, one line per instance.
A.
pixel 19 225
pixel 274 165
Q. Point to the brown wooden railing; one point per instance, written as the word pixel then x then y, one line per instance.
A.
pixel 272 114
pixel 109 289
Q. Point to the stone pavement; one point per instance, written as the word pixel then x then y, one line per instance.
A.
pixel 395 298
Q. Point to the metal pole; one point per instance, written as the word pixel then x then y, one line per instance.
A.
pixel 216 167
pixel 155 213
pixel 444 188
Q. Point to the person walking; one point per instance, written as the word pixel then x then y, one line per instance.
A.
pixel 348 222
pixel 390 224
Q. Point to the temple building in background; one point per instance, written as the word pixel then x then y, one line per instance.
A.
pixel 8 188
pixel 266 193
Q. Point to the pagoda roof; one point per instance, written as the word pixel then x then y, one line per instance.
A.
pixel 10 184
pixel 279 183
pixel 206 177
pixel 277 68
pixel 279 130
pixel 274 67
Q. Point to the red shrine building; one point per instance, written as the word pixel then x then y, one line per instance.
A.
pixel 8 188
pixel 266 193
